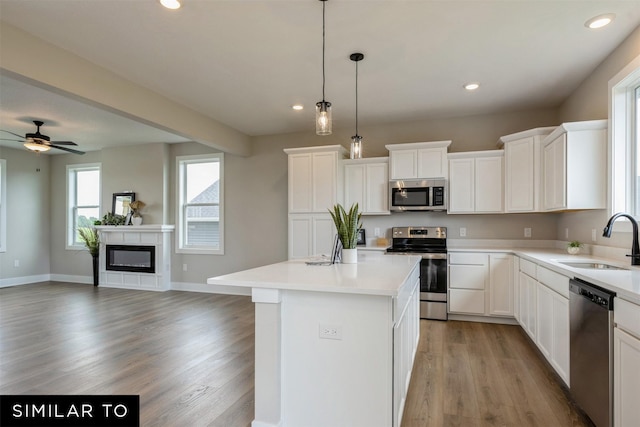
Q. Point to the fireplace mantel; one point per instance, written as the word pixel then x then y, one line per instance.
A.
pixel 157 235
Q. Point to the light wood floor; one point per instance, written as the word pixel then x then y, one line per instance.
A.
pixel 190 358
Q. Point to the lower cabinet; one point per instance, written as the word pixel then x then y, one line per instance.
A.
pixel 626 360
pixel 310 234
pixel 481 283
pixel 543 299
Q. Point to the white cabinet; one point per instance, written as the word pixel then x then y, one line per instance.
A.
pixel 626 360
pixel 500 284
pixel 475 182
pixel 418 160
pixel 523 169
pixel 366 182
pixel 310 234
pixel 315 186
pixel 527 293
pixel 468 274
pixel 575 166
pixel 315 178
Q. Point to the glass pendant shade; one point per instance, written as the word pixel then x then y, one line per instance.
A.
pixel 356 147
pixel 323 118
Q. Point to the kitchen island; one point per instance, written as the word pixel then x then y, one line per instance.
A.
pixel 335 344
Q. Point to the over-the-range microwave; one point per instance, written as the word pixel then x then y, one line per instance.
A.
pixel 418 195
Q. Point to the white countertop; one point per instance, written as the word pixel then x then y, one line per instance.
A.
pixel 625 283
pixel 374 274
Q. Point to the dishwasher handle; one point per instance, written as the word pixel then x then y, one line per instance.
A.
pixel 593 293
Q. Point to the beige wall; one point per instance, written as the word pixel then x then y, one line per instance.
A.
pixel 28 215
pixel 591 101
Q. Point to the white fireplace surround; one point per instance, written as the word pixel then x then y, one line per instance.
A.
pixel 141 235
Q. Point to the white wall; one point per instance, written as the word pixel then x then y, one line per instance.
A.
pixel 28 214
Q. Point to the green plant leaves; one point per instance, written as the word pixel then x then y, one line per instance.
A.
pixel 347 224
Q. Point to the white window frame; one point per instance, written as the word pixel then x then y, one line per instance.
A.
pixel 70 243
pixel 3 205
pixel 181 247
pixel 622 147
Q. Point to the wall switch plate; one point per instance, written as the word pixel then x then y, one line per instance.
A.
pixel 463 231
pixel 376 232
pixel 594 238
pixel 184 267
pixel 331 332
pixel 16 263
pixel 527 232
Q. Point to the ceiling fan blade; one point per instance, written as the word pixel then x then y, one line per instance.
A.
pixel 14 140
pixel 19 136
pixel 70 150
pixel 63 143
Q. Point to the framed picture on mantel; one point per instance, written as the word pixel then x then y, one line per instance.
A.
pixel 121 202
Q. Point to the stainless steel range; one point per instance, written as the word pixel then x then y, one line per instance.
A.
pixel 431 243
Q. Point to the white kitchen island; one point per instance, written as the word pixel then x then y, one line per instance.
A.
pixel 334 344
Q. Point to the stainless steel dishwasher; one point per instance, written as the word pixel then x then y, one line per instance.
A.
pixel 591 350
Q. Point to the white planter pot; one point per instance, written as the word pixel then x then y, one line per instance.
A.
pixel 136 220
pixel 573 250
pixel 350 256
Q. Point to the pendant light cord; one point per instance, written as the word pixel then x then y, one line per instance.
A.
pixel 323 5
pixel 357 98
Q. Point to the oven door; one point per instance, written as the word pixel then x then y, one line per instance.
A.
pixel 433 277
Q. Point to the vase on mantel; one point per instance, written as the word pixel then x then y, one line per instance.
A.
pixel 136 220
pixel 350 256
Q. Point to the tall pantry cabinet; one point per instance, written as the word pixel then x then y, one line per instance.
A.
pixel 315 186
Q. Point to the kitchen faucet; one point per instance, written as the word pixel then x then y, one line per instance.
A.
pixel 635 249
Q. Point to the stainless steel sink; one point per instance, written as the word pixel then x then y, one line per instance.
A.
pixel 591 265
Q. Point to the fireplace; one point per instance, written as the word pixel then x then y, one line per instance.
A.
pixel 132 258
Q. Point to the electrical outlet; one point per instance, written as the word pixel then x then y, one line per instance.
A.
pixel 184 267
pixel 593 235
pixel 16 263
pixel 332 332
pixel 527 232
pixel 463 231
pixel 376 232
pixel 566 233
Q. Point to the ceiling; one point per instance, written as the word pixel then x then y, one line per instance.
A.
pixel 245 63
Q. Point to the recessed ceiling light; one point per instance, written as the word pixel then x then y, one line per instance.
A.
pixel 599 21
pixel 472 86
pixel 171 4
pixel 297 107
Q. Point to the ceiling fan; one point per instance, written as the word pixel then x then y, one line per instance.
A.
pixel 38 142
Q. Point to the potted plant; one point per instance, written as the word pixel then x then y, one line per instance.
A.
pixel 574 247
pixel 347 224
pixel 136 206
pixel 91 240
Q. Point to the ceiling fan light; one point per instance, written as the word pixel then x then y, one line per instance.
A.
pixel 34 146
pixel 323 118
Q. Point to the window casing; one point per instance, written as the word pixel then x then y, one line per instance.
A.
pixel 200 204
pixel 624 132
pixel 83 200
pixel 3 205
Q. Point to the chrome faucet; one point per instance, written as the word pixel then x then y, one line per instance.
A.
pixel 635 249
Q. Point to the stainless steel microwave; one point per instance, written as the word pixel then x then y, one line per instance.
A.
pixel 418 195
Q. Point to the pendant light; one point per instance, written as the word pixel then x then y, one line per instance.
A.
pixel 356 140
pixel 323 108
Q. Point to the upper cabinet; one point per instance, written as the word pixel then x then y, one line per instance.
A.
pixel 475 182
pixel 418 160
pixel 523 153
pixel 575 166
pixel 366 182
pixel 315 178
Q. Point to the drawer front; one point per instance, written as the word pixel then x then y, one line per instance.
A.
pixel 554 281
pixel 627 316
pixel 528 268
pixel 467 276
pixel 466 301
pixel 468 258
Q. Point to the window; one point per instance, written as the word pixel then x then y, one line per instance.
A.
pixel 200 204
pixel 624 113
pixel 3 205
pixel 83 200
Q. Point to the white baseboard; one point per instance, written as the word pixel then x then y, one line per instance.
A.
pixel 210 289
pixel 24 280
